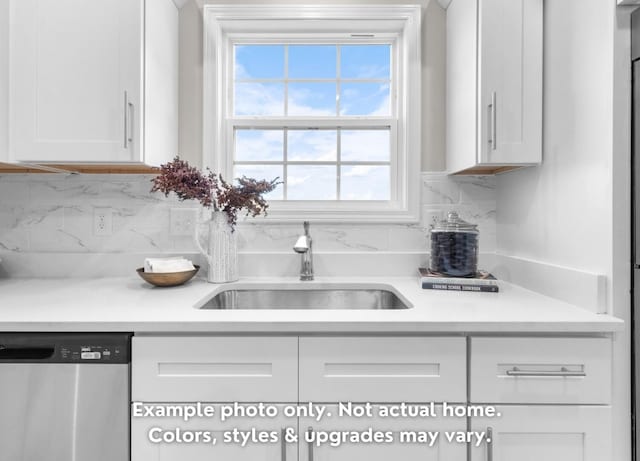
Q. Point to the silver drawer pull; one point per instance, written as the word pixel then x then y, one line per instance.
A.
pixel 310 444
pixel 515 371
pixel 283 445
pixel 493 143
pixel 126 120
pixel 489 444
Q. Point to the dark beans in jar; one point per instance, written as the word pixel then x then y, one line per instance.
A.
pixel 454 253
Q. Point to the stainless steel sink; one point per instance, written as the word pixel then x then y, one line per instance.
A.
pixel 306 298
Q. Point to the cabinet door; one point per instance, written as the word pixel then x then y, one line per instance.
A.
pixel 4 81
pixel 510 86
pixel 75 80
pixel 214 369
pixel 550 433
pixel 146 431
pixel 382 369
pixel 394 450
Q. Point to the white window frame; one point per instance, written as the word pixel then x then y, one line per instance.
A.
pixel 225 25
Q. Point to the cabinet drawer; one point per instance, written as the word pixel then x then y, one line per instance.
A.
pixel 540 370
pixel 382 369
pixel 214 369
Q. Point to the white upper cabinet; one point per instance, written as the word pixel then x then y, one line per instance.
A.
pixel 494 85
pixel 93 82
pixel 4 81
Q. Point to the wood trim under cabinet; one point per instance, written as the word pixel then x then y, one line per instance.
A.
pixel 487 170
pixel 80 168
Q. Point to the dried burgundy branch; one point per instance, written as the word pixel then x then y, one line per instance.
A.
pixel 212 191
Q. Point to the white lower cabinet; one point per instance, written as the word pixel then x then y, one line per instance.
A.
pixel 401 438
pixel 200 439
pixel 382 369
pixel 552 396
pixel 173 439
pixel 549 433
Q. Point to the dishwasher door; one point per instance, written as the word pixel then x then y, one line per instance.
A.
pixel 52 409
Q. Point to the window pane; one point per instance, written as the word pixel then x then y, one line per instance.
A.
pixel 365 182
pixel 317 145
pixel 365 61
pixel 259 61
pixel 259 145
pixel 311 182
pixel 314 99
pixel 312 61
pixel 259 99
pixel 259 172
pixel 364 99
pixel 365 145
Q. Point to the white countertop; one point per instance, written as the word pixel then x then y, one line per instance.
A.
pixel 130 304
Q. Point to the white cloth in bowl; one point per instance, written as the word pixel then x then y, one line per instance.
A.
pixel 164 265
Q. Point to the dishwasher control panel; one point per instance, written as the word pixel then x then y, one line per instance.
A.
pixel 91 352
pixel 102 348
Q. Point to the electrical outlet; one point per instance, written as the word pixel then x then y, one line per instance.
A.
pixel 182 221
pixel 431 217
pixel 102 221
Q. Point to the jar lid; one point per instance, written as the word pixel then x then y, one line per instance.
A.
pixel 454 223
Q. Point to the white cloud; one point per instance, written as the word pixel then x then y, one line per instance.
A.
pixel 303 101
pixel 293 181
pixel 259 145
pixel 363 145
pixel 241 72
pixel 358 97
pixel 319 145
pixel 259 99
pixel 358 170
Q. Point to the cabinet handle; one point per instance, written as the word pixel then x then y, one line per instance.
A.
pixel 489 444
pixel 283 446
pixel 492 122
pixel 310 443
pixel 515 371
pixel 128 121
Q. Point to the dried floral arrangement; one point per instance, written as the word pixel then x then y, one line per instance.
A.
pixel 189 183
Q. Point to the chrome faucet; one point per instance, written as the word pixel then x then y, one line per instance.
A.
pixel 304 246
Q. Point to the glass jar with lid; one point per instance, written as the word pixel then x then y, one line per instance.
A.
pixel 454 247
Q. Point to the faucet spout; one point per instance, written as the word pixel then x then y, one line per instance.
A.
pixel 304 246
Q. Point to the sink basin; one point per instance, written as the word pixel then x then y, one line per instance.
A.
pixel 337 297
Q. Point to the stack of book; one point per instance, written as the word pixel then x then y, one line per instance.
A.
pixel 483 281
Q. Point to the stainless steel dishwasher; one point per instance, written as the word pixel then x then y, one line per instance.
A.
pixel 64 396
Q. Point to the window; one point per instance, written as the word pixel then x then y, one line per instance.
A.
pixel 326 98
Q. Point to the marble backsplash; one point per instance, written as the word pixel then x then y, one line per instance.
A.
pixel 41 214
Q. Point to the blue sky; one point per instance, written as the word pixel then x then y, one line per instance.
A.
pixel 363 89
pixel 259 62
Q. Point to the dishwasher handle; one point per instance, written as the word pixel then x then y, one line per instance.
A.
pixel 26 353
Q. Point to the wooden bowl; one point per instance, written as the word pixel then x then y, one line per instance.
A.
pixel 167 279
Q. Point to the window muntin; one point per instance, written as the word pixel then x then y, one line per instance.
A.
pixel 315 80
pixel 399 25
pixel 303 82
pixel 318 164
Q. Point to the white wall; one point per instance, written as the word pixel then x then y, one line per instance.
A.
pixel 559 212
pixel 573 210
pixel 433 77
pixel 4 78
